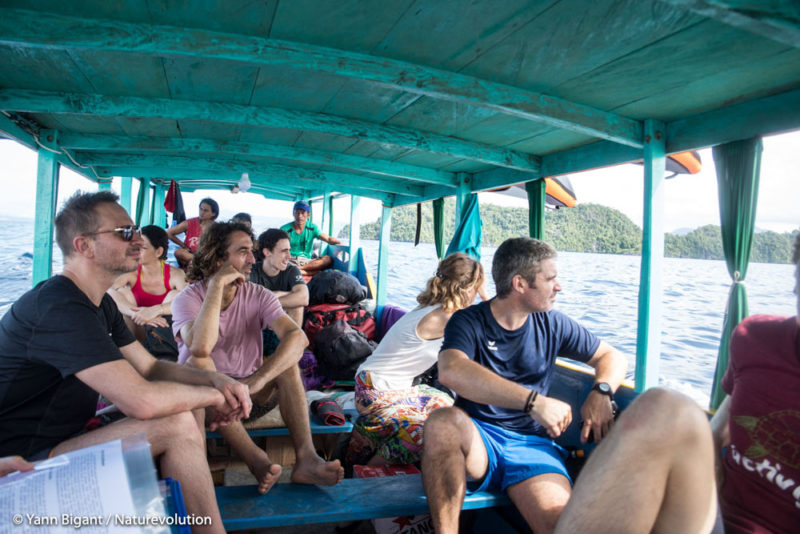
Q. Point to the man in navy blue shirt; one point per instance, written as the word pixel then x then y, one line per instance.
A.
pixel 499 358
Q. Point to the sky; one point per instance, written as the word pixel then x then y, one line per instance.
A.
pixel 691 200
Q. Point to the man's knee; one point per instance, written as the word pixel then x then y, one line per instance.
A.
pixel 664 414
pixel 445 428
pixel 180 427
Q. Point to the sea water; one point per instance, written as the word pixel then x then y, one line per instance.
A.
pixel 599 290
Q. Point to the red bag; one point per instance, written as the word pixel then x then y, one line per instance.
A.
pixel 321 315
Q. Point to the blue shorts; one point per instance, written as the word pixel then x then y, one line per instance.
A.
pixel 514 457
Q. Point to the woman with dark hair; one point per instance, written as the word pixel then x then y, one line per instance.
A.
pixel 144 296
pixel 193 228
pixel 392 406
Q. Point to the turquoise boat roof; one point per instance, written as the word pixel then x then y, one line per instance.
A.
pixel 400 101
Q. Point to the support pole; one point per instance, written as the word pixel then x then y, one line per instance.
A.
pixel 125 193
pixel 355 234
pixel 143 202
pixel 46 197
pixel 160 214
pixel 383 255
pixel 537 193
pixel 648 340
pixel 462 193
pixel 327 214
pixel 104 185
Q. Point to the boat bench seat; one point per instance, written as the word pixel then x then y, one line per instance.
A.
pixel 316 428
pixel 353 499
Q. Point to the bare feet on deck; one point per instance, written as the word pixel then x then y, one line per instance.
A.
pixel 315 470
pixel 267 475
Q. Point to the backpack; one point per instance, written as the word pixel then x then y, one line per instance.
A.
pixel 335 287
pixel 319 316
pixel 160 342
pixel 340 349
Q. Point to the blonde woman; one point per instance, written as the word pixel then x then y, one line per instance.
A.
pixel 392 408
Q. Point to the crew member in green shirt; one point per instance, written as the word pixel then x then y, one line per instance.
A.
pixel 302 233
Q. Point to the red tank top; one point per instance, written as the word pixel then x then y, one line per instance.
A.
pixel 193 233
pixel 145 299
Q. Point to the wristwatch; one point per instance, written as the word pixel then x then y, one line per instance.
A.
pixel 604 389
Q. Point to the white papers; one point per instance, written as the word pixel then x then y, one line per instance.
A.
pixel 87 489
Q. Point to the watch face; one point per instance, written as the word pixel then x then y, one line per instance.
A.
pixel 603 388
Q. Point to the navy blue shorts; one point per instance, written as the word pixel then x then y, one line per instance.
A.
pixel 514 457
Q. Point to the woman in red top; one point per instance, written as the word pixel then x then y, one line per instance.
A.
pixel 143 296
pixel 193 228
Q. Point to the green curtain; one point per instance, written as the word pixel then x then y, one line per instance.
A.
pixel 536 196
pixel 438 226
pixel 468 234
pixel 143 187
pixel 738 166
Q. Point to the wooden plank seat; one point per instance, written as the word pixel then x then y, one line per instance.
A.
pixel 353 499
pixel 316 428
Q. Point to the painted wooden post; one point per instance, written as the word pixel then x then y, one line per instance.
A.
pixel 160 214
pixel 461 195
pixel 144 217
pixel 355 233
pixel 125 193
pixel 104 184
pixel 648 339
pixel 327 214
pixel 46 198
pixel 536 190
pixel 383 255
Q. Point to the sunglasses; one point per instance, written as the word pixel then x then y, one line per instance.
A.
pixel 127 233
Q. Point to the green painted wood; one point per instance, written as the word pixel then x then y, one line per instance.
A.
pixel 778 19
pixel 125 193
pixel 464 189
pixel 536 190
pixel 591 156
pixel 12 130
pixel 273 152
pixel 327 213
pixel 104 185
pixel 270 173
pixel 143 202
pixel 159 213
pixel 48 102
pixel 355 233
pixel 648 338
pixel 754 118
pixel 46 197
pixel 492 179
pixel 383 255
pixel 352 499
pixel 71 32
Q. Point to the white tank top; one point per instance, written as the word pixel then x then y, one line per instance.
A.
pixel 402 354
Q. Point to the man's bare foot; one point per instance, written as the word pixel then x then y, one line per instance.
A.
pixel 315 470
pixel 267 475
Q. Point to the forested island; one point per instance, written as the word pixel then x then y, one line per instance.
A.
pixel 585 228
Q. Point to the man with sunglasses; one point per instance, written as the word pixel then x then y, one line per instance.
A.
pixel 65 341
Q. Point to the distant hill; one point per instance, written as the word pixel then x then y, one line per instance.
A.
pixel 585 228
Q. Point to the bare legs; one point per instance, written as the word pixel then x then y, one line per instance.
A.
pixel 316 265
pixel 453 450
pixel 310 468
pixel 653 473
pixel 180 447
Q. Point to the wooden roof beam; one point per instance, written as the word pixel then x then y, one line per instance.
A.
pixel 295 155
pixel 22 100
pixel 50 30
pixel 778 20
pixel 286 173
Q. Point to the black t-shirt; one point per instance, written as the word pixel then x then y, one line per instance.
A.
pixel 52 332
pixel 283 281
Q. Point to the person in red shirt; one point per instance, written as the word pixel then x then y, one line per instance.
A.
pixel 759 422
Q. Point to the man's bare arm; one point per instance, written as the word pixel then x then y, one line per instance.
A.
pixel 296 298
pixel 478 384
pixel 289 351
pixel 330 240
pixel 201 335
pixel 610 366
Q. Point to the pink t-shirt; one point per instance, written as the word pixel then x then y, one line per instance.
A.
pixel 239 349
pixel 761 494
